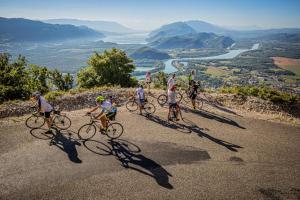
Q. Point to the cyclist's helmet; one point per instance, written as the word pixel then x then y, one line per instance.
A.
pixel 36 94
pixel 100 99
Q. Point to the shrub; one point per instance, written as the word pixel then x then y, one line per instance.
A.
pixel 53 95
pixel 262 92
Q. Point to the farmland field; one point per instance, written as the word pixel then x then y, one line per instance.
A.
pixel 288 64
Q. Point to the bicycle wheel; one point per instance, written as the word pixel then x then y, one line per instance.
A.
pixel 149 108
pixel 62 122
pixel 35 121
pixel 186 97
pixel 132 106
pixel 162 99
pixel 87 131
pixel 114 130
pixel 199 104
pixel 178 97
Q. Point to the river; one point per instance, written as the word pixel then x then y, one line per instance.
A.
pixel 169 68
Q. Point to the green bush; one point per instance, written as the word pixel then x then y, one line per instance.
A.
pixel 53 95
pixel 262 92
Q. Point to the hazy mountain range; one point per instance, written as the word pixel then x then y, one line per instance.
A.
pixel 197 26
pixel 102 26
pixel 193 41
pixel 24 30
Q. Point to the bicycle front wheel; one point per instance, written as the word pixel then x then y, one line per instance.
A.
pixel 35 121
pixel 132 106
pixel 87 131
pixel 62 122
pixel 162 99
pixel 178 97
pixel 149 108
pixel 114 130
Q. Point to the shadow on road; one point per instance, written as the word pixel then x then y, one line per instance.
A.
pixel 174 125
pixel 213 116
pixel 199 131
pixel 130 157
pixel 140 163
pixel 59 139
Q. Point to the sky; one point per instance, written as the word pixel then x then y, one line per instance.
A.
pixel 150 14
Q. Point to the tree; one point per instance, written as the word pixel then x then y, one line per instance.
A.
pixel 38 78
pixel 62 82
pixel 13 78
pixel 160 80
pixel 112 67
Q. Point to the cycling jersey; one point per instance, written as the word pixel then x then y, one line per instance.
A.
pixel 44 106
pixel 106 106
pixel 171 83
pixel 140 93
pixel 171 97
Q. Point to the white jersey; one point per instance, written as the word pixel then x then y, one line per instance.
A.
pixel 171 83
pixel 140 93
pixel 44 105
pixel 171 96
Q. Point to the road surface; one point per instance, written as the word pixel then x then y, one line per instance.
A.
pixel 209 155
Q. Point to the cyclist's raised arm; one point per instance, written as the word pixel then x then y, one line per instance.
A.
pixel 93 110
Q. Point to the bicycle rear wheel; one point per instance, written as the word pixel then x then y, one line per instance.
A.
pixel 87 131
pixel 62 122
pixel 199 104
pixel 162 99
pixel 149 108
pixel 132 106
pixel 35 121
pixel 114 130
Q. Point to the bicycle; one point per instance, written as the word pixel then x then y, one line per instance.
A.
pixel 163 98
pixel 36 120
pixel 114 129
pixel 132 105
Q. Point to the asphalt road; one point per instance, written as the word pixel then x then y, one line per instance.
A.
pixel 209 155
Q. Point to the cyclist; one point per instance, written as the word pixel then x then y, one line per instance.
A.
pixel 173 103
pixel 106 111
pixel 191 77
pixel 148 81
pixel 171 81
pixel 140 96
pixel 44 108
pixel 193 93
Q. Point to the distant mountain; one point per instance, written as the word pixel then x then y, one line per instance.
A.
pixel 199 40
pixel 149 53
pixel 282 37
pixel 169 30
pixel 21 30
pixel 197 26
pixel 201 26
pixel 103 26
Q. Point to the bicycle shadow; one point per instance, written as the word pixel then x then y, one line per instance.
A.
pixel 130 157
pixel 199 131
pixel 170 124
pixel 213 116
pixel 60 140
pixel 135 161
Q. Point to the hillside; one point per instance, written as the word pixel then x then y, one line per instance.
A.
pixel 170 30
pixel 149 53
pixel 23 30
pixel 200 40
pixel 282 37
pixel 104 26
